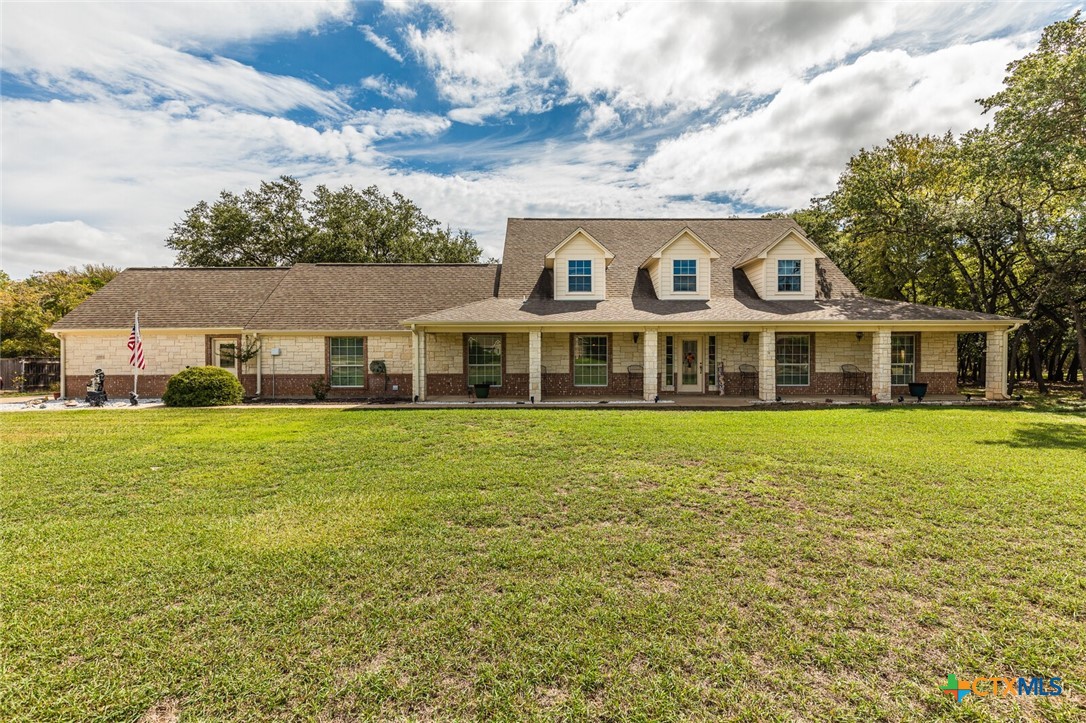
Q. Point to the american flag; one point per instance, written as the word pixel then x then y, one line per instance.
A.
pixel 135 343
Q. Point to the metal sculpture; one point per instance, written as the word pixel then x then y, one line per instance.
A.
pixel 96 389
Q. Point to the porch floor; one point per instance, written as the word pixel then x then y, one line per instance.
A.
pixel 690 401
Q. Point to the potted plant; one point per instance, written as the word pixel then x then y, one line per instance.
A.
pixel 918 390
pixel 482 390
pixel 320 387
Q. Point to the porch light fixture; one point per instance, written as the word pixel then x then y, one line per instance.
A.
pixel 859 336
pixel 637 336
pixel 746 335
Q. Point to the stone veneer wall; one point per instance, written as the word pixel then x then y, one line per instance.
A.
pixel 302 360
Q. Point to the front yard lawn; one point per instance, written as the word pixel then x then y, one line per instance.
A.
pixel 316 564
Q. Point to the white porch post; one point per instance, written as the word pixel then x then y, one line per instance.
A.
pixel 418 364
pixel 650 356
pixel 995 366
pixel 880 365
pixel 535 365
pixel 767 365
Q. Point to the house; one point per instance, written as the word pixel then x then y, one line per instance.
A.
pixel 578 308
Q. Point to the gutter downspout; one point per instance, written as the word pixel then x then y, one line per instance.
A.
pixel 259 359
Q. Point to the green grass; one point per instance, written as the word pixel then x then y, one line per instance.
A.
pixel 322 564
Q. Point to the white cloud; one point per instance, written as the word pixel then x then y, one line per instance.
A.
pixel 394 122
pixel 58 245
pixel 795 146
pixel 135 53
pixel 387 88
pixel 599 118
pixel 381 43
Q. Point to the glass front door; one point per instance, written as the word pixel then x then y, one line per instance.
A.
pixel 223 353
pixel 689 366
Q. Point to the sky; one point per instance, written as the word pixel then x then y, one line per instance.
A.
pixel 119 116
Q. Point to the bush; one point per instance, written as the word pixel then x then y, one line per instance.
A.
pixel 320 387
pixel 203 387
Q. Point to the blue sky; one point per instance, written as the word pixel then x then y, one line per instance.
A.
pixel 118 117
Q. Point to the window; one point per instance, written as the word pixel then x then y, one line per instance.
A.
pixel 485 359
pixel 590 361
pixel 669 361
pixel 902 358
pixel 788 275
pixel 793 360
pixel 580 276
pixel 347 357
pixel 684 276
pixel 712 361
pixel 225 353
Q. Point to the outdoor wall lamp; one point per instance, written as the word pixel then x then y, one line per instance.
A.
pixel 746 335
pixel 637 336
pixel 859 336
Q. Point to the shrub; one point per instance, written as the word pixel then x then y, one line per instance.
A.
pixel 320 387
pixel 203 387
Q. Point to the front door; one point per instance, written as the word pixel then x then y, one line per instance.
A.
pixel 689 365
pixel 223 353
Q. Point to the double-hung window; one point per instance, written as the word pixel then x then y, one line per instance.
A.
pixel 789 277
pixel 902 358
pixel 485 359
pixel 347 359
pixel 590 361
pixel 580 275
pixel 793 360
pixel 684 275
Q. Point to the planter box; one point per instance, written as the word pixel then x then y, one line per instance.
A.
pixel 482 391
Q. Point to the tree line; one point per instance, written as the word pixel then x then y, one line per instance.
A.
pixel 993 220
pixel 276 225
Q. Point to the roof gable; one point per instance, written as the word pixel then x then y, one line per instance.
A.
pixel 685 233
pixel 579 233
pixel 760 252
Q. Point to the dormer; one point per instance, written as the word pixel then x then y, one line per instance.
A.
pixel 681 268
pixel 580 267
pixel 784 268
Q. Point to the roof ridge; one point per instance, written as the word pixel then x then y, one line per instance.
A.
pixel 645 218
pixel 424 264
pixel 208 268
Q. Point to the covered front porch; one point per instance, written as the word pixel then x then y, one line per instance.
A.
pixel 715 366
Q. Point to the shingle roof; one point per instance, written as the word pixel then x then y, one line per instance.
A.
pixel 527 241
pixel 858 309
pixel 370 296
pixel 176 298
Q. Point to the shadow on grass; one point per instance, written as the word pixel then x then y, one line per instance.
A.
pixel 1045 435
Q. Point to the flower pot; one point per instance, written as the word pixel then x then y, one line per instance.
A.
pixel 482 391
pixel 56 395
pixel 918 390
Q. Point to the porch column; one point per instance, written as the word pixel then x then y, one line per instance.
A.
pixel 995 366
pixel 880 365
pixel 650 355
pixel 535 364
pixel 63 368
pixel 767 365
pixel 418 365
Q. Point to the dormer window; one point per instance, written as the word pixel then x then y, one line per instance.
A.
pixel 789 277
pixel 580 276
pixel 684 275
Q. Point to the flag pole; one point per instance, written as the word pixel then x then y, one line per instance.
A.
pixel 136 367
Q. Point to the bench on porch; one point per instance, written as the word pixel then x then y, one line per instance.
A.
pixel 854 380
pixel 748 379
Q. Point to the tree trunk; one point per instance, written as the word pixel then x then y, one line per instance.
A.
pixel 1036 365
pixel 1080 334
